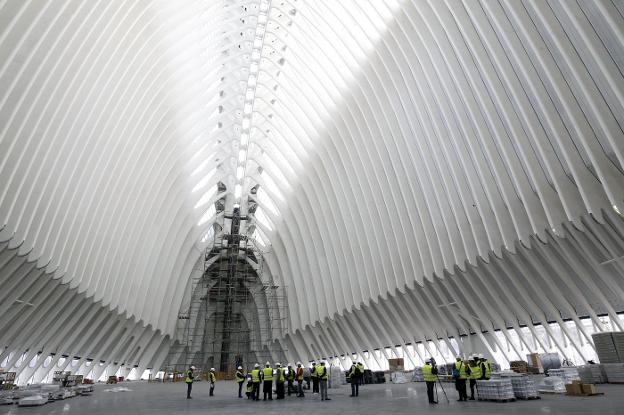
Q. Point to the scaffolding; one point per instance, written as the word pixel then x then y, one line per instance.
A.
pixel 235 311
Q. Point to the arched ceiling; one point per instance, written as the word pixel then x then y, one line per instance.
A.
pixel 392 140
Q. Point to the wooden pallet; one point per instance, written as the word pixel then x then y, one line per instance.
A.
pixel 498 400
pixel 529 398
pixel 552 392
pixel 586 394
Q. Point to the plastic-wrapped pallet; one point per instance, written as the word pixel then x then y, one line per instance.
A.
pixel 614 372
pixel 568 374
pixel 552 384
pixel 417 375
pixel 592 374
pixel 495 389
pixel 6 397
pixel 524 387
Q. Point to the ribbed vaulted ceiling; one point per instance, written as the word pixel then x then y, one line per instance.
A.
pixel 393 141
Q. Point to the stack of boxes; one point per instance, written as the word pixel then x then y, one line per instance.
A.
pixel 577 388
pixel 519 366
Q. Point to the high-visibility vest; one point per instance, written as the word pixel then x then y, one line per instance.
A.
pixel 189 376
pixel 249 387
pixel 353 372
pixel 313 371
pixel 360 368
pixel 268 374
pixel 255 375
pixel 279 376
pixel 321 372
pixel 291 374
pixel 211 377
pixel 475 371
pixel 300 373
pixel 428 375
pixel 240 376
pixel 461 367
pixel 488 369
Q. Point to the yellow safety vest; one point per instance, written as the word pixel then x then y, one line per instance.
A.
pixel 212 377
pixel 461 367
pixel 255 375
pixel 313 371
pixel 189 376
pixel 488 369
pixel 249 387
pixel 240 377
pixel 291 374
pixel 279 377
pixel 361 368
pixel 475 371
pixel 427 373
pixel 321 372
pixel 352 373
pixel 268 374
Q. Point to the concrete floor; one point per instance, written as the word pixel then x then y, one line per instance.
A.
pixel 158 398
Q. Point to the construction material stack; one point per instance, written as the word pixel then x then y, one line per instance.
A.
pixel 614 372
pixel 609 346
pixel 499 390
pixel 568 374
pixel 592 374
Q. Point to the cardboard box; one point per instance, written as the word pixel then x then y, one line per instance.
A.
pixel 589 389
pixel 574 389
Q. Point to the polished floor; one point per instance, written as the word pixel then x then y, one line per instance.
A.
pixel 158 398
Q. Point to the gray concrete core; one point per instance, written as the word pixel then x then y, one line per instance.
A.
pixel 158 398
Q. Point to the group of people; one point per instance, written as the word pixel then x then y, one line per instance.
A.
pixel 476 368
pixel 283 378
pixel 190 378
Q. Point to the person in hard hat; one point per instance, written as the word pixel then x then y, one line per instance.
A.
pixel 299 378
pixel 267 378
pixel 212 378
pixel 249 390
pixel 290 378
pixel 474 374
pixel 189 381
pixel 256 375
pixel 240 379
pixel 279 381
pixel 323 376
pixel 360 367
pixel 486 367
pixel 460 375
pixel 354 380
pixel 430 375
pixel 314 377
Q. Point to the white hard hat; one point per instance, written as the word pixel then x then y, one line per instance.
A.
pixel 278 364
pixel 480 356
pixel 268 364
pixel 290 364
pixel 212 369
pixel 240 368
pixel 192 367
pixel 256 365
